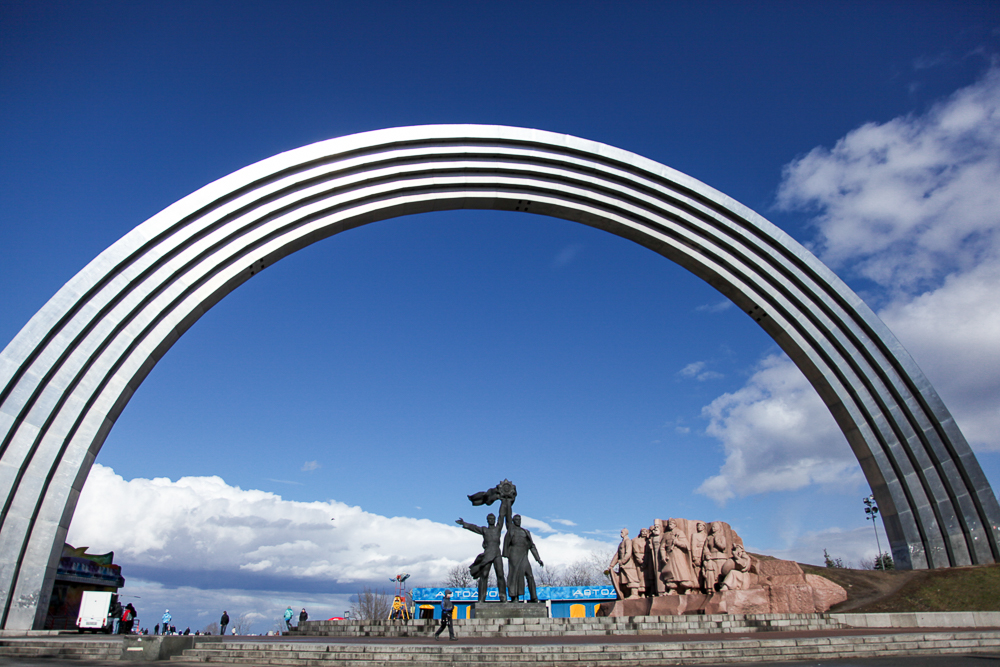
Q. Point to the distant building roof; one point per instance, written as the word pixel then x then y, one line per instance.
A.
pixel 77 566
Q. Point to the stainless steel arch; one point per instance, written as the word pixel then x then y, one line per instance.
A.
pixel 69 373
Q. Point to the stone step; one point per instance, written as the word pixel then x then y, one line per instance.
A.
pixel 301 654
pixel 67 648
pixel 540 627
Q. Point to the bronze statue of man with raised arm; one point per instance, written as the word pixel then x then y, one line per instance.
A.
pixel 480 568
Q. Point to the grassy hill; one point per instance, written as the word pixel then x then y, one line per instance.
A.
pixel 974 588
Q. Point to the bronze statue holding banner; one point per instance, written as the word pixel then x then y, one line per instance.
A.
pixel 517 545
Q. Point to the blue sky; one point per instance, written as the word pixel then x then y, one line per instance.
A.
pixel 381 375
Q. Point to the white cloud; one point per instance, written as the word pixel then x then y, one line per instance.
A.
pixel 202 534
pixel 692 369
pixel 203 523
pixel 907 202
pixel 852 546
pixel 696 370
pixel 536 525
pixel 564 522
pixel 717 307
pixel 913 205
pixel 954 334
pixel 777 434
pixel 309 466
pixel 566 256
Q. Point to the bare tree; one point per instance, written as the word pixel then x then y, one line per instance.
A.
pixel 551 575
pixel 371 604
pixel 242 623
pixel 211 629
pixel 589 571
pixel 459 577
pixel 578 574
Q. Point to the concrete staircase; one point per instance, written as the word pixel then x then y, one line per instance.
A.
pixel 567 627
pixel 63 647
pixel 653 654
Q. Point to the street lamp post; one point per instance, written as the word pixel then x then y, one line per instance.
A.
pixel 871 512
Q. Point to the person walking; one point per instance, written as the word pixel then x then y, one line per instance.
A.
pixel 156 629
pixel 288 617
pixel 447 606
pixel 165 620
pixel 223 622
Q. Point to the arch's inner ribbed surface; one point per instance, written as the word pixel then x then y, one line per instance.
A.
pixel 69 373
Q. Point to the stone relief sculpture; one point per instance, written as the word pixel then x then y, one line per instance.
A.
pixel 491 556
pixel 713 557
pixel 639 559
pixel 646 564
pixel 736 571
pixel 627 583
pixel 704 568
pixel 656 536
pixel 698 549
pixel 517 544
pixel 678 570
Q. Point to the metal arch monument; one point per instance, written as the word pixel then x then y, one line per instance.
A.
pixel 68 374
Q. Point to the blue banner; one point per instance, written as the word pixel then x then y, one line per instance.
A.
pixel 493 595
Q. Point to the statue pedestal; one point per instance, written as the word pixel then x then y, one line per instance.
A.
pixel 670 605
pixel 667 605
pixel 511 610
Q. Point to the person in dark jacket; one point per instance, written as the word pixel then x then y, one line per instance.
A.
pixel 223 622
pixel 303 617
pixel 116 616
pixel 129 616
pixel 446 608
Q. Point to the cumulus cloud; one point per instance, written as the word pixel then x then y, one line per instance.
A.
pixel 697 370
pixel 912 205
pixel 777 435
pixel 202 533
pixel 954 334
pixel 908 202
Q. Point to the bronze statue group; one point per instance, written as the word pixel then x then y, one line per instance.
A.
pixel 515 546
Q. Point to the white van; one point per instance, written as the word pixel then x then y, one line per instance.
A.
pixel 95 608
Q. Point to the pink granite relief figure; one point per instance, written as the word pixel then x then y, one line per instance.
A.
pixel 678 570
pixel 639 548
pixel 697 549
pixel 738 577
pixel 655 538
pixel 627 576
pixel 713 557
